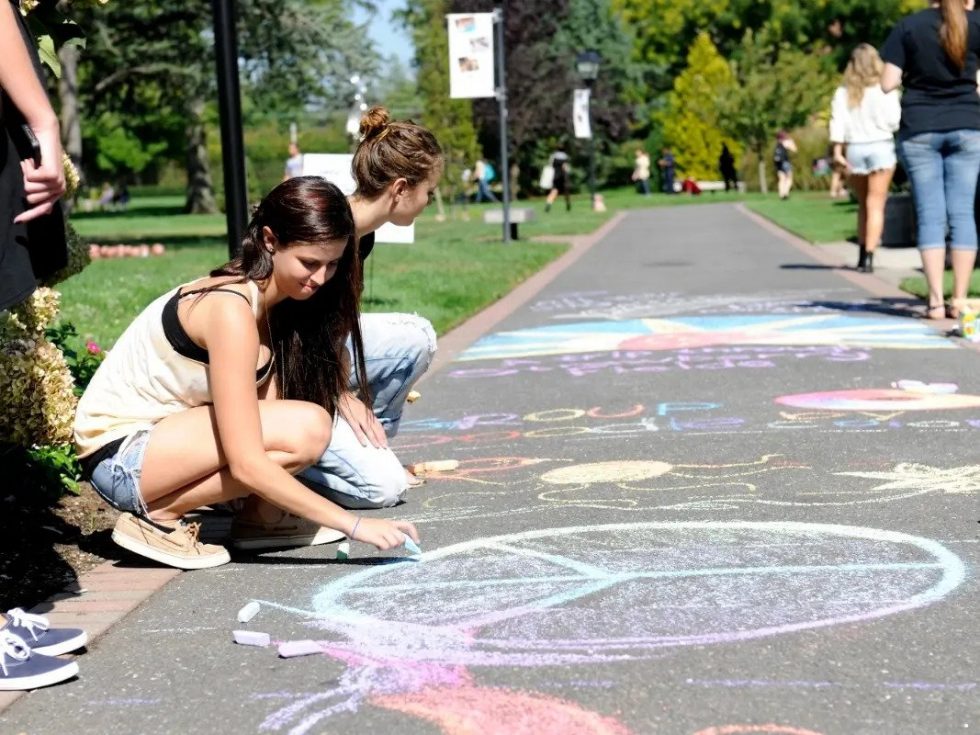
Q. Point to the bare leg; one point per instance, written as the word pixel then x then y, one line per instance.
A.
pixel 185 467
pixel 860 186
pixel 934 267
pixel 877 197
pixel 963 262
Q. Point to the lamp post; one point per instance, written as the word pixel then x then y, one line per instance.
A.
pixel 587 65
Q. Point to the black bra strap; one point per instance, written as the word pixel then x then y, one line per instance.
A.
pixel 212 290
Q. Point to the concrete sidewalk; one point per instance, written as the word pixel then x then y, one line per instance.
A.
pixel 690 499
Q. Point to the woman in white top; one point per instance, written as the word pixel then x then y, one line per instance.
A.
pixel 864 118
pixel 223 388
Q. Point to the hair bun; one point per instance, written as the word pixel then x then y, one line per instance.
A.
pixel 374 122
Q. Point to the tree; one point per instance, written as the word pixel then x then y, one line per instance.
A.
pixel 450 120
pixel 691 124
pixel 778 88
pixel 292 54
pixel 542 38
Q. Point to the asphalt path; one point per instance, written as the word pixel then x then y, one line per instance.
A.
pixel 699 493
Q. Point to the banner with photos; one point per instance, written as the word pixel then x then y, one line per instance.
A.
pixel 580 113
pixel 471 60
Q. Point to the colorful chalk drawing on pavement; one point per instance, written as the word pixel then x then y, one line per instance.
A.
pixel 407 632
pixel 645 335
pixel 879 399
pixel 655 485
pixel 605 305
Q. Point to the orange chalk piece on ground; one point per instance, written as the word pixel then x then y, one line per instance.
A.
pixel 413 396
pixel 440 465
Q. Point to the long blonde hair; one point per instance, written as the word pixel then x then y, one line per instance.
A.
pixel 953 32
pixel 863 71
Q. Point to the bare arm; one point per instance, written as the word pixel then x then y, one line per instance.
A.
pixel 43 184
pixel 891 78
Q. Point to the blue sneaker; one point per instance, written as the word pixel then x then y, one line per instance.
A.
pixel 37 633
pixel 21 668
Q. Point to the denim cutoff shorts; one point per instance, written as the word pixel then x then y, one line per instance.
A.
pixel 117 478
pixel 866 158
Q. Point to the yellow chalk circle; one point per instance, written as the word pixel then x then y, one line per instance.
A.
pixel 598 472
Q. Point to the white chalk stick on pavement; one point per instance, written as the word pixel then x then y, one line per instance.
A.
pixel 248 612
pixel 251 638
pixel 289 649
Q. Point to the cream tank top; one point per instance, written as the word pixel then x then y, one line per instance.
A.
pixel 142 380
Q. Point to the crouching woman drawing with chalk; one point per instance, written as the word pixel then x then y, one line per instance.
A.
pixel 223 388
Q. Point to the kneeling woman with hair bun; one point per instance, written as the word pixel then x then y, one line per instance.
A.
pixel 223 388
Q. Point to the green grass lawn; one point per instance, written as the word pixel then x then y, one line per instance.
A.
pixel 917 285
pixel 811 215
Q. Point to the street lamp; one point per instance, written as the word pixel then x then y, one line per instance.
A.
pixel 587 65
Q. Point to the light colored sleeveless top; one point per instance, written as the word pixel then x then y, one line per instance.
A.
pixel 142 380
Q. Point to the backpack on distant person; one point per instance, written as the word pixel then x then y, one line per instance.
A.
pixel 547 178
pixel 489 172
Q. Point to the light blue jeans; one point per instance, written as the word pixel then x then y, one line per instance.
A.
pixel 398 349
pixel 943 169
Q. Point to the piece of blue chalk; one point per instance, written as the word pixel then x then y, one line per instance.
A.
pixel 411 547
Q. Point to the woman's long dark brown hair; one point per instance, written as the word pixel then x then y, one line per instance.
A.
pixel 953 32
pixel 309 337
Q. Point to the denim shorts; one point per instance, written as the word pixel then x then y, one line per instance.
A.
pixel 866 158
pixel 117 478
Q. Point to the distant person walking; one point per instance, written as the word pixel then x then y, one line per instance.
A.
pixel 865 118
pixel 294 164
pixel 784 166
pixel 726 167
pixel 483 173
pixel 559 184
pixel 641 172
pixel 668 168
pixel 933 54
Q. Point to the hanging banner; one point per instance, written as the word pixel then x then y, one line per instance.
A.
pixel 471 61
pixel 580 113
pixel 336 168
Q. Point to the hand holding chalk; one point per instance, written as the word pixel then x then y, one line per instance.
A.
pixel 411 547
pixel 383 534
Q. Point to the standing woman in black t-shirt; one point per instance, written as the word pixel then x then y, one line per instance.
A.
pixel 933 55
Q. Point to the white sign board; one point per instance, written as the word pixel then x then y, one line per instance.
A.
pixel 336 168
pixel 471 62
pixel 580 113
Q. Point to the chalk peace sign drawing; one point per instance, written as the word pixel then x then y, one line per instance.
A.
pixel 593 594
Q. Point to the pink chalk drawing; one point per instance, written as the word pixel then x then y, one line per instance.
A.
pixel 756 730
pixel 879 399
pixel 487 711
pixel 413 636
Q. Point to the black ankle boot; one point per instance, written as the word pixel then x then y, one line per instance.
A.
pixel 862 258
pixel 869 264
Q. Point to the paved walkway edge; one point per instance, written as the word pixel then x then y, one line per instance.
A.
pixel 103 596
pixel 866 281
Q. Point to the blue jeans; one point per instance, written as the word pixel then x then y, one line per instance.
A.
pixel 117 478
pixel 398 349
pixel 943 169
